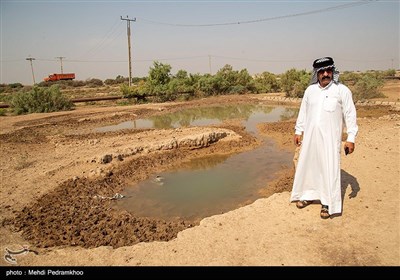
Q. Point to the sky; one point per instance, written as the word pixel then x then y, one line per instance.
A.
pixel 89 38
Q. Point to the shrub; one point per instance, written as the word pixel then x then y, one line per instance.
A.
pixel 40 100
pixel 110 82
pixel 16 85
pixel 368 86
pixel 389 73
pixel 78 83
pixel 139 91
pixel 94 82
pixel 10 87
pixel 238 89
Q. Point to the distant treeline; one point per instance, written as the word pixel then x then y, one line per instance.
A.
pixel 161 85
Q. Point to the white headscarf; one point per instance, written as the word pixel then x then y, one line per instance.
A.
pixel 322 64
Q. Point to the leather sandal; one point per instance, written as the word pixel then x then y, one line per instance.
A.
pixel 303 203
pixel 324 212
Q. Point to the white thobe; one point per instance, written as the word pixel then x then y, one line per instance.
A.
pixel 320 120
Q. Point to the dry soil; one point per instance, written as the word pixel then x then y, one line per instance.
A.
pixel 59 180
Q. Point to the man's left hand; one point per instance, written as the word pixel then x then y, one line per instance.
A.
pixel 350 146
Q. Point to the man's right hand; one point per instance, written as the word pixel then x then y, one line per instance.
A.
pixel 297 140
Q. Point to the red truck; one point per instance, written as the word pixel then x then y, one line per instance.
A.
pixel 59 77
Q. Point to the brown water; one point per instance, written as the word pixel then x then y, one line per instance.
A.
pixel 213 184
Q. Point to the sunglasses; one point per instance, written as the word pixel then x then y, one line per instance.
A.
pixel 329 70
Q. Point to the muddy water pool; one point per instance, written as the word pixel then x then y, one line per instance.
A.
pixel 209 185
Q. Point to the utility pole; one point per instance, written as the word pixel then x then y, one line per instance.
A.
pixel 33 75
pixel 61 58
pixel 128 25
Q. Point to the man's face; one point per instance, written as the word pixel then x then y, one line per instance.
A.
pixel 325 76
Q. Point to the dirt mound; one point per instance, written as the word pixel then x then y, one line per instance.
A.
pixel 75 215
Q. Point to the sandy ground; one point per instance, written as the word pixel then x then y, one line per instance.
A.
pixel 58 178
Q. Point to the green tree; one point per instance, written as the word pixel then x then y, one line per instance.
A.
pixel 181 74
pixel 159 74
pixel 181 83
pixel 295 82
pixel 230 81
pixel 208 85
pixel 158 80
pixel 266 82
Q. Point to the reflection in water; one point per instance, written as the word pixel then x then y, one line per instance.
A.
pixel 250 114
pixel 205 162
pixel 212 184
pixel 208 115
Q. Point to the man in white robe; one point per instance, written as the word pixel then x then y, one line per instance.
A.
pixel 326 103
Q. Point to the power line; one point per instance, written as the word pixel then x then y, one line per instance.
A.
pixel 199 56
pixel 96 61
pixel 261 60
pixel 343 6
pixel 107 37
pixel 173 58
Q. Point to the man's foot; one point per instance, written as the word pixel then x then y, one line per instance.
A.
pixel 303 203
pixel 324 212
